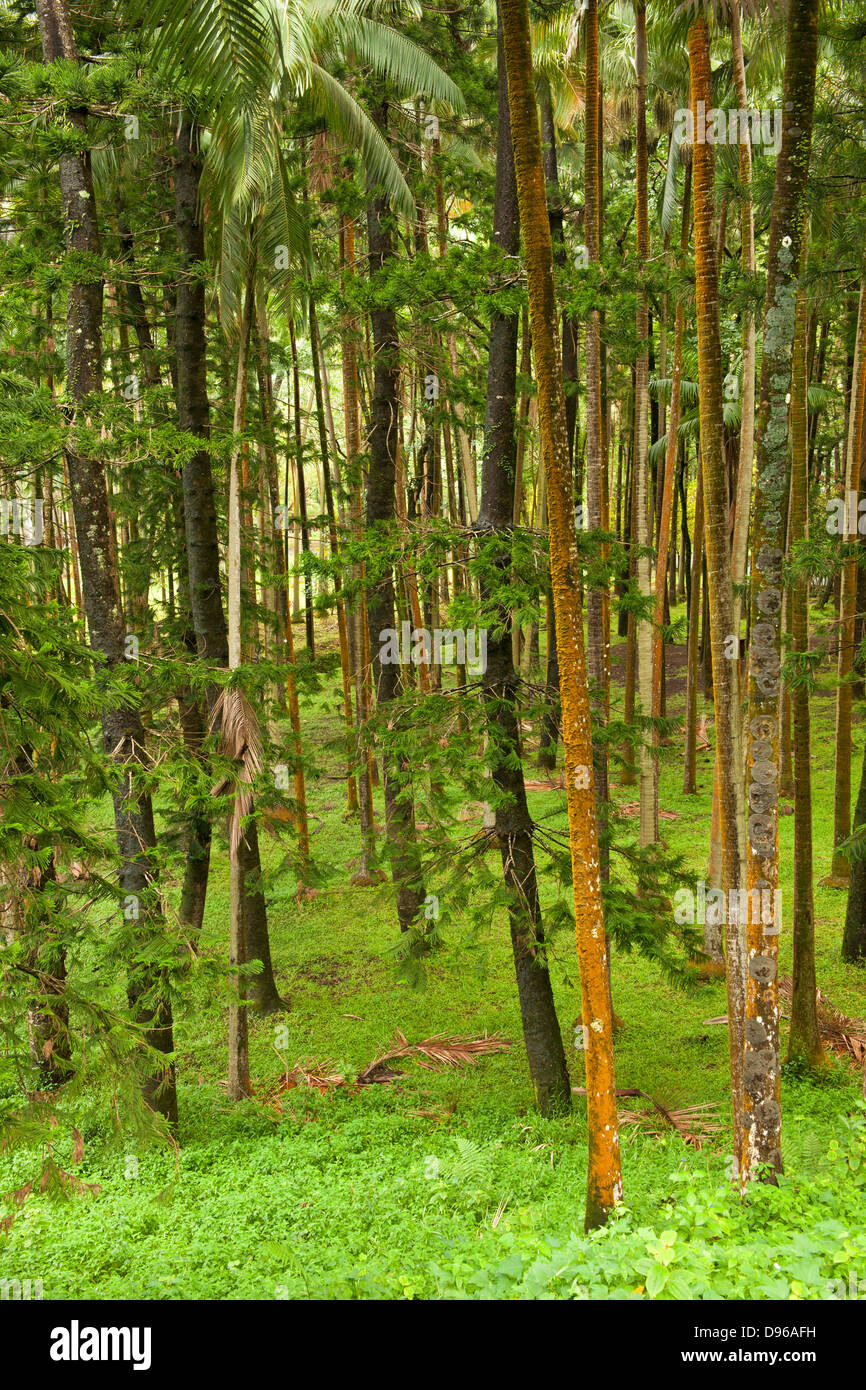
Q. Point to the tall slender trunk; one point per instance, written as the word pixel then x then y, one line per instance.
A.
pixel 839 871
pixel 595 457
pixel 804 1040
pixel 381 514
pixel 357 622
pixel 122 729
pixel 513 824
pixel 202 540
pixel 763 1089
pixel 643 527
pixel 319 378
pixel 239 1053
pixel 690 785
pixel 665 517
pixel 604 1175
pixel 718 553
pixel 740 541
pixel 302 498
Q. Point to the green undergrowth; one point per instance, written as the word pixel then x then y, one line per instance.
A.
pixel 446 1184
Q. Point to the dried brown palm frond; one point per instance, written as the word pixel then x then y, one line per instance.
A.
pixel 442 1050
pixel 693 1122
pixel 240 740
pixel 845 1036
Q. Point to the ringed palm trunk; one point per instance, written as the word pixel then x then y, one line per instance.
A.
pixel 199 508
pixel 596 636
pixel 301 493
pixel 122 729
pixel 356 616
pixel 664 537
pixel 644 635
pixel 718 552
pixel 747 420
pixel 763 1090
pixel 239 1055
pixel 319 378
pixel 604 1175
pixel 854 935
pixel 838 876
pixel 804 1040
pixel 403 850
pixel 690 785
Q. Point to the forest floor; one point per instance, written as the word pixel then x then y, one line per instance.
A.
pixel 446 1183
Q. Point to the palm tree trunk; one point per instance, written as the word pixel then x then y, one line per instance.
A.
pixel 199 508
pixel 690 786
pixel 643 531
pixel 838 876
pixel 597 642
pixel 718 552
pixel 381 514
pixel 763 1093
pixel 665 518
pixel 804 1040
pixel 740 541
pixel 319 378
pixel 301 485
pixel 239 1056
pixel 604 1176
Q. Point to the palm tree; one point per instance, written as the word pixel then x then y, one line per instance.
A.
pixel 839 870
pixel 664 533
pixel 596 461
pixel 740 541
pixel 381 514
pixel 604 1178
pixel 648 778
pixel 202 539
pixel 804 1040
pixel 762 1071
pixel 717 543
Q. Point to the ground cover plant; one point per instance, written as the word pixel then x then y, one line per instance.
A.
pixel 431 652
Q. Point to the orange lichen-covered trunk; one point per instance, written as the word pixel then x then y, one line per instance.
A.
pixel 604 1178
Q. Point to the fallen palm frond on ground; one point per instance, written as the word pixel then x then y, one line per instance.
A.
pixel 632 808
pixel 844 1036
pixel 694 1123
pixel 441 1050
